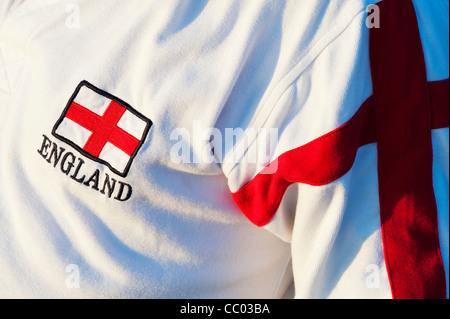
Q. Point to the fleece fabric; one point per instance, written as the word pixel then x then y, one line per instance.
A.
pixel 223 149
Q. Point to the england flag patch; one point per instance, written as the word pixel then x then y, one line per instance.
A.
pixel 102 127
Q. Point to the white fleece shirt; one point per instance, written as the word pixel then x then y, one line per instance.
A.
pixel 121 149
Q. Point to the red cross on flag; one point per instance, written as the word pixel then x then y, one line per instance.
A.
pixel 102 127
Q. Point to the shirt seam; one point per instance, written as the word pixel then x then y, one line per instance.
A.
pixel 299 68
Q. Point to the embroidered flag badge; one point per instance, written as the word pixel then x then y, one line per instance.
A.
pixel 102 127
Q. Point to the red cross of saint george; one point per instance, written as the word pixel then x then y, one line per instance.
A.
pixel 102 127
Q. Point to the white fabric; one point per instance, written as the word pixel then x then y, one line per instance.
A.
pixel 132 125
pixel 115 156
pixel 299 66
pixel 94 102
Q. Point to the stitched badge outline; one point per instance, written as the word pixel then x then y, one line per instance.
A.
pixel 102 127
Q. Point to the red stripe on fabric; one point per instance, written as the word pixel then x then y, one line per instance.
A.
pixel 319 162
pixel 439 99
pixel 369 130
pixel 83 116
pixel 123 140
pixel 405 156
pixel 260 198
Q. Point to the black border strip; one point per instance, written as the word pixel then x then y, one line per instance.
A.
pixel 116 99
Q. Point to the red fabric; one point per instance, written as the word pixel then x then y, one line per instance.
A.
pixel 407 108
pixel 260 198
pixel 104 128
pixel 405 155
pixel 439 100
